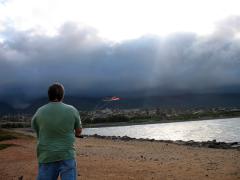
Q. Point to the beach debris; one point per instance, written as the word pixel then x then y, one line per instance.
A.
pixel 236 144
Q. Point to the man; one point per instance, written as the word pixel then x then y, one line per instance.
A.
pixel 56 125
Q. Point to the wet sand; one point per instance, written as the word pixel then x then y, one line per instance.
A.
pixel 116 159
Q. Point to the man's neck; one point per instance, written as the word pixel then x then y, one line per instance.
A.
pixel 55 101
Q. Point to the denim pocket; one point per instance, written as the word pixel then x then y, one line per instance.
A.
pixel 68 164
pixel 68 169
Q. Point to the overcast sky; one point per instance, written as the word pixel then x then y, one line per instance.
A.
pixel 107 47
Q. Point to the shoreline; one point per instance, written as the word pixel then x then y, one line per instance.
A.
pixel 206 144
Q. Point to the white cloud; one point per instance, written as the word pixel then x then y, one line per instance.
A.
pixel 119 19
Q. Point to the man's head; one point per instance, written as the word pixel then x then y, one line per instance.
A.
pixel 56 92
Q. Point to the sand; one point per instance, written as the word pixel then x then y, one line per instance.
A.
pixel 115 159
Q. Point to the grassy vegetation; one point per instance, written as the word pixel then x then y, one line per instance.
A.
pixel 16 125
pixel 3 146
pixel 5 135
pixel 206 115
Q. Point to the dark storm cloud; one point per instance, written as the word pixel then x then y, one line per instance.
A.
pixel 89 65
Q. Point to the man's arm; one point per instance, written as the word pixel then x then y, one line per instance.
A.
pixel 78 132
pixel 34 123
pixel 78 124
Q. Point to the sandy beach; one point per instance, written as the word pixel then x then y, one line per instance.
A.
pixel 116 159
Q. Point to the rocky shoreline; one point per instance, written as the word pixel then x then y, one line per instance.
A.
pixel 206 144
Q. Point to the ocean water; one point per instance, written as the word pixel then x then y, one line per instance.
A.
pixel 225 130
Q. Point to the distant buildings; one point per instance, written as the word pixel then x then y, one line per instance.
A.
pixel 156 114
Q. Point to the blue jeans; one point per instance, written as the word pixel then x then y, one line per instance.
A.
pixel 67 170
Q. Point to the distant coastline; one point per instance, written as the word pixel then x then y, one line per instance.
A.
pixel 127 117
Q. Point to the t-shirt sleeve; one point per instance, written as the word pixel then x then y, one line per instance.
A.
pixel 34 123
pixel 78 123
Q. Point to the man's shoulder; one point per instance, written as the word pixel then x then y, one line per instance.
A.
pixel 39 111
pixel 70 107
pixel 42 108
pixel 63 106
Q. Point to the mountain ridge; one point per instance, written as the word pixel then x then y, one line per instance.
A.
pixel 176 101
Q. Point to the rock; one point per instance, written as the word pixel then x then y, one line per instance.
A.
pixel 126 138
pixel 235 146
pixel 180 142
pixel 98 136
pixel 207 144
pixel 114 138
pixel 212 146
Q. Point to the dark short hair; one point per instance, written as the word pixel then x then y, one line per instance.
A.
pixel 55 92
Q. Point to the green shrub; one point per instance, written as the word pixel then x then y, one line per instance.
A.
pixel 3 146
pixel 6 136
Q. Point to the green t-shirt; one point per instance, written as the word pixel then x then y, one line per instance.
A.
pixel 54 124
